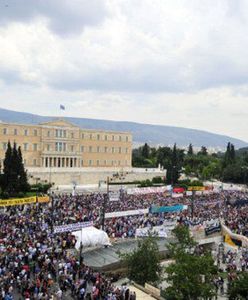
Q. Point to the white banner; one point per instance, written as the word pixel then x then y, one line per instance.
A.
pixel 126 213
pixel 72 227
pixel 157 230
pixel 177 195
pixel 147 190
pixel 114 196
pixel 170 224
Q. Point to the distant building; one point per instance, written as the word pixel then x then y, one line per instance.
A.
pixel 60 144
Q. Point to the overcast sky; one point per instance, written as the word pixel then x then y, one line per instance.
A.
pixel 181 63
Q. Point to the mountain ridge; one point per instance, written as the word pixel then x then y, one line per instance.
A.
pixel 150 133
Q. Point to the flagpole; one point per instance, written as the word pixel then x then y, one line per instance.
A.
pixel 62 108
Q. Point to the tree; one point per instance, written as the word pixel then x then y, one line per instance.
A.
pixel 23 180
pixel 173 168
pixel 145 151
pixel 190 149
pixel 143 263
pixel 232 153
pixel 204 151
pixel 14 177
pixel 229 157
pixel 238 289
pixel 191 275
pixel 8 177
pixel 15 165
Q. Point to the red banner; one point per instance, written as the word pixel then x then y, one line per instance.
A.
pixel 178 190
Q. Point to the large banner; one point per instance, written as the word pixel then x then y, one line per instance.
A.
pixel 126 213
pixel 159 231
pixel 72 227
pixel 18 201
pixel 161 209
pixel 147 190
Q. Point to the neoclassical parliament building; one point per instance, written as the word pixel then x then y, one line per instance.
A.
pixel 60 144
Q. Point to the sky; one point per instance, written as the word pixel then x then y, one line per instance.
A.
pixel 182 62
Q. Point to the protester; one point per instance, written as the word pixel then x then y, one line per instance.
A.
pixel 35 263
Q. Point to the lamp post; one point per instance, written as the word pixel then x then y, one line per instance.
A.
pixel 37 180
pixel 52 200
pixel 106 198
pixel 81 249
pixel 172 175
pixel 192 204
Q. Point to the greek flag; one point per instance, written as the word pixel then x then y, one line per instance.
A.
pixel 62 107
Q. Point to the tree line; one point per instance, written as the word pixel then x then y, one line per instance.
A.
pixel 13 176
pixel 228 166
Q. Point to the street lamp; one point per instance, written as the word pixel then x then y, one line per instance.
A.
pixel 106 198
pixel 172 175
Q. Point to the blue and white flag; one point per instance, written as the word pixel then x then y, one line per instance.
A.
pixel 62 107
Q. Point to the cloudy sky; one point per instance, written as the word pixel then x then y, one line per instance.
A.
pixel 180 62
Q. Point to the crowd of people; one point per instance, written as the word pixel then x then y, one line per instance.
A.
pixel 35 263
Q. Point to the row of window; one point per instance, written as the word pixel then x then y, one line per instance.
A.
pixel 99 149
pixel 26 132
pixel 63 147
pixel 25 147
pixel 113 163
pixel 36 163
pixel 105 137
pixel 61 133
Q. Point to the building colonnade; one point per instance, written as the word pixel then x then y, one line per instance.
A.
pixel 60 162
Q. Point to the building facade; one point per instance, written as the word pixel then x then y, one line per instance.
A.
pixel 60 144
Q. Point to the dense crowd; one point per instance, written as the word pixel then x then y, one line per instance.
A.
pixel 38 264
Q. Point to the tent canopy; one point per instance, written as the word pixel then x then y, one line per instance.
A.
pixel 90 237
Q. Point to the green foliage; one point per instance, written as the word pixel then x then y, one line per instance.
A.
pixel 184 240
pixel 4 195
pixel 238 289
pixel 229 157
pixel 204 151
pixel 190 276
pixel 190 150
pixel 145 183
pixel 231 166
pixel 157 180
pixel 143 263
pixel 41 188
pixel 145 151
pixel 14 177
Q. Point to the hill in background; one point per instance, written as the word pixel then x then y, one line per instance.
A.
pixel 152 134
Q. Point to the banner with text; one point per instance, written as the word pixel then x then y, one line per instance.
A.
pixel 126 213
pixel 159 231
pixel 114 196
pixel 196 188
pixel 72 227
pixel 147 190
pixel 161 209
pixel 18 201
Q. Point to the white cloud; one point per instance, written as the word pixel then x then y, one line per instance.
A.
pixel 168 62
pixel 64 17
